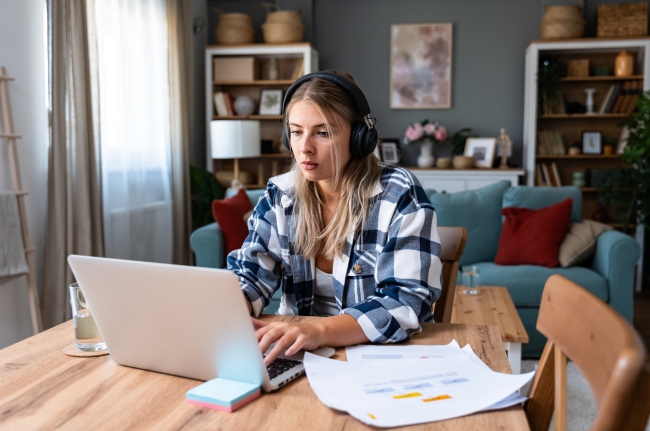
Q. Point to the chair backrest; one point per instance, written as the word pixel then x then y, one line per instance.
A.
pixel 452 240
pixel 604 347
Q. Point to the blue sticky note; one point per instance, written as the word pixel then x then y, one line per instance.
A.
pixel 222 392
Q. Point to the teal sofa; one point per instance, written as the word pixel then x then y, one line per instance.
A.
pixel 208 246
pixel 608 274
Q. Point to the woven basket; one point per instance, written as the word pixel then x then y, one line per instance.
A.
pixel 235 20
pixel 463 162
pixel 234 35
pixel 285 16
pixel 622 20
pixel 279 32
pixel 566 29
pixel 561 13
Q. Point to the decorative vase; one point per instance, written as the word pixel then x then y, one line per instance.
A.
pixel 443 162
pixel 590 100
pixel 244 105
pixel 624 64
pixel 425 160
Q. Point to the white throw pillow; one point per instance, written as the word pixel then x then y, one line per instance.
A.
pixel 580 242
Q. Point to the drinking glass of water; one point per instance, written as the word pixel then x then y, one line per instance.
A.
pixel 86 334
pixel 470 280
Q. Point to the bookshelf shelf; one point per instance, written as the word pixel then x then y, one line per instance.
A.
pixel 601 78
pixel 581 116
pixel 577 156
pixel 260 83
pixel 247 117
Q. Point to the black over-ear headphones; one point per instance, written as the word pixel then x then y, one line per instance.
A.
pixel 363 136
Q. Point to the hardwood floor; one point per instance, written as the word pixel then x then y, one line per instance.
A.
pixel 642 317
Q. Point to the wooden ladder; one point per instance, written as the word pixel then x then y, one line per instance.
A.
pixel 9 135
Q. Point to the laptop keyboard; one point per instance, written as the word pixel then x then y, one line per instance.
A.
pixel 282 371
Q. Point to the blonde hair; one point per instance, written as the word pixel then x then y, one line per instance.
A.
pixel 355 180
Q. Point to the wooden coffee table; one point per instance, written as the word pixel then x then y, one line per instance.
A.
pixel 493 306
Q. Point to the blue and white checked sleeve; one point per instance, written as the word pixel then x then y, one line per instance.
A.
pixel 407 273
pixel 256 263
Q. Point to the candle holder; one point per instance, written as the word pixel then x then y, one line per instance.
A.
pixel 590 100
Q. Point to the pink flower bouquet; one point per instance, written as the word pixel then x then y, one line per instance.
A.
pixel 418 132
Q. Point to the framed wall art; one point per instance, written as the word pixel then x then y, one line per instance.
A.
pixel 270 101
pixel 420 66
pixel 482 149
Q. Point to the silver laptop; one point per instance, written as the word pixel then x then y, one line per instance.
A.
pixel 181 320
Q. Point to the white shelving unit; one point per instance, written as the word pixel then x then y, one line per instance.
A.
pixel 570 125
pixel 286 56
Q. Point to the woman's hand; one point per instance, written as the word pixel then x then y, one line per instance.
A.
pixel 289 338
pixel 334 331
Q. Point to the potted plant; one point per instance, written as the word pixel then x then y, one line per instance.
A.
pixel 551 69
pixel 458 149
pixel 628 189
pixel 425 133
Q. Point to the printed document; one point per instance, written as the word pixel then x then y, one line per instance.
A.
pixel 428 383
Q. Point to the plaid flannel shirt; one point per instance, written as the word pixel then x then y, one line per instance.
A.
pixel 388 277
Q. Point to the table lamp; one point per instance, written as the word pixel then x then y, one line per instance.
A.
pixel 235 139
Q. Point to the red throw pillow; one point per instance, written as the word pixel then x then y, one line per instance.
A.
pixel 229 213
pixel 533 237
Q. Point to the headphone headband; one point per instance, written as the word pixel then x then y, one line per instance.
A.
pixel 352 88
pixel 363 135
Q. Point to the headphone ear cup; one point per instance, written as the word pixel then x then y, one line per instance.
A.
pixel 285 138
pixel 362 140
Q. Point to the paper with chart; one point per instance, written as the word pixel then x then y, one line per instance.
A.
pixel 388 393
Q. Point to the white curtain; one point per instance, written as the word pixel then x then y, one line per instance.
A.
pixel 135 129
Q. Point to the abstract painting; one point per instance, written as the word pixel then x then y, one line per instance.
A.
pixel 420 66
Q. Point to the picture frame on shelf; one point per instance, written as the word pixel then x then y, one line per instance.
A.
pixel 419 51
pixel 390 153
pixel 592 142
pixel 482 150
pixel 271 101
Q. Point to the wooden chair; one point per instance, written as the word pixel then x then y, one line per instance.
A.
pixel 452 240
pixel 605 348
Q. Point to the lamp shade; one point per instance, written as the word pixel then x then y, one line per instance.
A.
pixel 234 139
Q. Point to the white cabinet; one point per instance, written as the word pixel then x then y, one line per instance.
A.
pixel 457 180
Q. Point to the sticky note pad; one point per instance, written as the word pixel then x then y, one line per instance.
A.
pixel 222 394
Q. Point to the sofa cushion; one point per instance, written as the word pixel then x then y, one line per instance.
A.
pixel 539 197
pixel 478 211
pixel 580 242
pixel 229 214
pixel 525 283
pixel 533 237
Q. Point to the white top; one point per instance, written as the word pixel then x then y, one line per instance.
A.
pixel 324 299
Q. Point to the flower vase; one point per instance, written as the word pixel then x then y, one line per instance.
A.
pixel 425 159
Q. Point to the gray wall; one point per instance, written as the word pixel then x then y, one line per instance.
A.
pixel 489 40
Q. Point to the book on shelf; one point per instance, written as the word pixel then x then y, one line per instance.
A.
pixel 556 175
pixel 636 90
pixel 605 100
pixel 550 142
pixel 612 99
pixel 622 96
pixel 547 175
pixel 223 104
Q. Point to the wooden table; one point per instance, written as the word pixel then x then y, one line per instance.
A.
pixel 41 388
pixel 493 306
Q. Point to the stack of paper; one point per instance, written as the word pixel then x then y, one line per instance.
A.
pixel 389 386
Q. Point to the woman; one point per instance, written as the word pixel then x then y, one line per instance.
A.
pixel 341 234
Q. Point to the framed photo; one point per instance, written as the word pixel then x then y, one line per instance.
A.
pixel 592 142
pixel 390 151
pixel 270 101
pixel 482 149
pixel 420 66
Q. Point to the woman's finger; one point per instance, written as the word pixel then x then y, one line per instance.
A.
pixel 297 345
pixel 280 346
pixel 257 324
